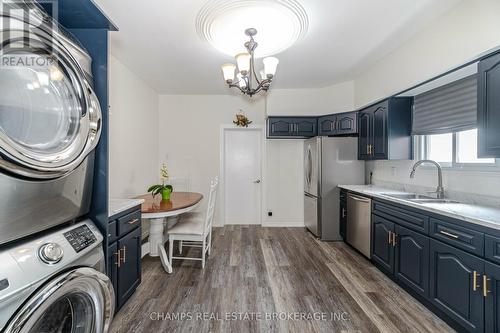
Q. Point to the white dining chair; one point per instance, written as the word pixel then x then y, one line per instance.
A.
pixel 195 230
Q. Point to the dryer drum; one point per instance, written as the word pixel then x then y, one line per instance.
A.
pixel 50 118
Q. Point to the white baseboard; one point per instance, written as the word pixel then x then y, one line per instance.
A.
pixel 283 224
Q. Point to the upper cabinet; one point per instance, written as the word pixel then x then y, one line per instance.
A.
pixel 385 130
pixel 290 127
pixel 488 108
pixel 338 124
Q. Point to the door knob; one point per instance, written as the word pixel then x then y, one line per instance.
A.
pixel 257 181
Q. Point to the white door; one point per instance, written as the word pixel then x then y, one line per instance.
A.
pixel 242 176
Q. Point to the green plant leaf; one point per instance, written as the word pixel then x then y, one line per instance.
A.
pixel 169 187
pixel 152 188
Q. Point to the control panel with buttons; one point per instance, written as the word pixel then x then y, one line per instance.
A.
pixel 80 238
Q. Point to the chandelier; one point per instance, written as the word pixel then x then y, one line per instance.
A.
pixel 246 78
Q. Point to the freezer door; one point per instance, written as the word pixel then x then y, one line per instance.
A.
pixel 311 165
pixel 311 214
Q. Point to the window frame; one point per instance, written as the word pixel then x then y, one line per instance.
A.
pixel 421 144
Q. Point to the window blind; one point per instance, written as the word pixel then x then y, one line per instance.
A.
pixel 450 108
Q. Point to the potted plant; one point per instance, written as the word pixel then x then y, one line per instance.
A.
pixel 165 190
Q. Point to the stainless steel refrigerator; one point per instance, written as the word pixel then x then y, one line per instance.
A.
pixel 328 162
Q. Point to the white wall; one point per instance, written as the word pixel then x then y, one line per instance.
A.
pixel 133 133
pixel 462 34
pixel 466 31
pixel 189 133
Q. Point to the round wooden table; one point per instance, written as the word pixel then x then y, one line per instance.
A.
pixel 156 211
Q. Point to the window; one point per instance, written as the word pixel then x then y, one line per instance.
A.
pixel 458 149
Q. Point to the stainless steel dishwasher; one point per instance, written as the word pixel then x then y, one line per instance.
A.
pixel 359 223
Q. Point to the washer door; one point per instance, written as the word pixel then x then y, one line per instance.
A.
pixel 80 301
pixel 50 118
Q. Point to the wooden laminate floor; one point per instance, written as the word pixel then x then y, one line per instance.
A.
pixel 272 280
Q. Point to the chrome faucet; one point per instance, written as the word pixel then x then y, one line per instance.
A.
pixel 440 188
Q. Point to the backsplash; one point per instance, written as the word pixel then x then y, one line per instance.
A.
pixel 473 187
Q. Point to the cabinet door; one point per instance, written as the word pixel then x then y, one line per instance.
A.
pixel 280 127
pixel 382 251
pixel 412 260
pixel 365 135
pixel 327 125
pixel 129 270
pixel 343 218
pixel 112 267
pixel 452 285
pixel 380 138
pixel 492 297
pixel 307 127
pixel 488 108
pixel 347 123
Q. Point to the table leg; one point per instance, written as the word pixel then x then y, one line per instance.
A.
pixel 164 259
pixel 155 236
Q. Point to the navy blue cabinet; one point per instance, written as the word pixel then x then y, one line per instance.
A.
pixel 488 108
pixel 338 124
pixel 129 269
pixel 289 127
pixel 327 125
pixel 491 294
pixel 343 214
pixel 385 130
pixel 452 288
pixel 412 260
pixel 382 249
pixel 124 254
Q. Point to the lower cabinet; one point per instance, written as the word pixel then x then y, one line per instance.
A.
pixel 124 256
pixel 463 286
pixel 382 249
pixel 412 259
pixel 455 285
pixel 491 294
pixel 343 214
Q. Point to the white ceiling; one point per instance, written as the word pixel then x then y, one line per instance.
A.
pixel 158 41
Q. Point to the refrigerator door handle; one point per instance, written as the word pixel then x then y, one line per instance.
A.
pixel 310 195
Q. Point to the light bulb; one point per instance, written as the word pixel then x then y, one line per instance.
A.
pixel 55 73
pixel 270 64
pixel 243 61
pixel 228 72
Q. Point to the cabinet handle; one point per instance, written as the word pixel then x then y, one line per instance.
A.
pixel 371 149
pixel 390 238
pixel 343 212
pixel 118 257
pixel 368 149
pixel 474 281
pixel 485 286
pixel 394 239
pixel 448 234
pixel 133 221
pixel 124 254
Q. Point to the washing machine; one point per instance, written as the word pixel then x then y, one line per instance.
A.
pixel 50 123
pixel 56 283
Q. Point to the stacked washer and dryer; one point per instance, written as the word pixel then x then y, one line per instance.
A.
pixel 51 261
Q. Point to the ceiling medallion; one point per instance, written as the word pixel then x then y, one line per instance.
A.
pixel 280 24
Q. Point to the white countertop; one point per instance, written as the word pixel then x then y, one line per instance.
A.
pixel 119 205
pixel 481 215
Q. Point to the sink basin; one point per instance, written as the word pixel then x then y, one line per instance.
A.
pixel 418 198
pixel 424 201
pixel 409 196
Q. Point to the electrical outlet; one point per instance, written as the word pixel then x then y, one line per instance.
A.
pixel 269 213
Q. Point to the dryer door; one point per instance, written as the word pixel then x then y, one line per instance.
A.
pixel 49 116
pixel 80 301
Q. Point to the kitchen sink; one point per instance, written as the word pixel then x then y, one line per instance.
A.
pixel 409 196
pixel 418 198
pixel 424 201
